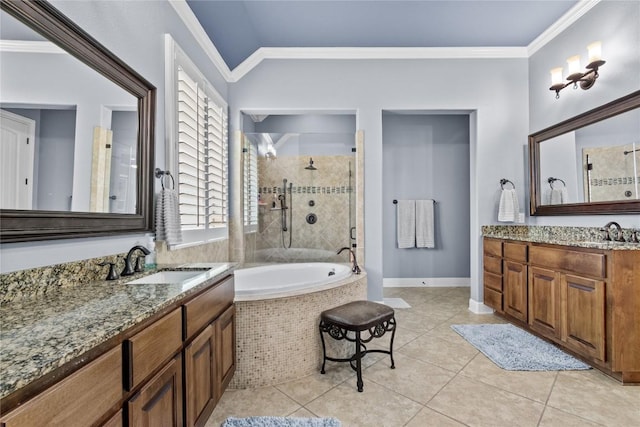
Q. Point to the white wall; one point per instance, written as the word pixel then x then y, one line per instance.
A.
pixel 494 89
pixel 133 31
pixel 617 25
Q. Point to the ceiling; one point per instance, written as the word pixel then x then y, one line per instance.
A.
pixel 238 28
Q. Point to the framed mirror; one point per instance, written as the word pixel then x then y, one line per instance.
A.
pixel 88 122
pixel 589 164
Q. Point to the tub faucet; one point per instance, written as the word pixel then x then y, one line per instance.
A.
pixel 128 261
pixel 619 237
pixel 355 267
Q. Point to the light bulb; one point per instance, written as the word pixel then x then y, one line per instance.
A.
pixel 556 76
pixel 595 51
pixel 573 65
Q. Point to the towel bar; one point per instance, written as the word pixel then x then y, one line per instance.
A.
pixel 395 202
pixel 503 181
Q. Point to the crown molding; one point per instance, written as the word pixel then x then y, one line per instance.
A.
pixel 374 53
pixel 21 46
pixel 572 15
pixel 193 25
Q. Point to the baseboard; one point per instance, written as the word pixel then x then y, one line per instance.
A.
pixel 427 282
pixel 478 307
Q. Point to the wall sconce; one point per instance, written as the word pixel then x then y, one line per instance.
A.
pixel 586 79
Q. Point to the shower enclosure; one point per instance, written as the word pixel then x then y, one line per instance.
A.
pixel 305 190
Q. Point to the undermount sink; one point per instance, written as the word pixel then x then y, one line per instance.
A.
pixel 160 277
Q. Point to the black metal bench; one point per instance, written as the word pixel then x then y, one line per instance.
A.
pixel 348 322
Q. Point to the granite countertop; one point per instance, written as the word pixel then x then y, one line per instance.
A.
pixel 582 237
pixel 42 333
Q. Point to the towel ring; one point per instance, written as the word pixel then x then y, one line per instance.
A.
pixel 503 181
pixel 552 180
pixel 161 174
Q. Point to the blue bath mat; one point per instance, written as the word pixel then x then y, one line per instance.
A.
pixel 281 422
pixel 513 349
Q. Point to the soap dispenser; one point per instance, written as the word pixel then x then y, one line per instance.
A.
pixel 150 260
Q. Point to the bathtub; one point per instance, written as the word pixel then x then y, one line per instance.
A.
pixel 277 315
pixel 283 280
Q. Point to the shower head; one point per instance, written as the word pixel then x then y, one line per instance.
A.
pixel 311 167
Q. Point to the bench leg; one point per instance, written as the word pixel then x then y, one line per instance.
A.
pixel 324 350
pixel 393 334
pixel 359 361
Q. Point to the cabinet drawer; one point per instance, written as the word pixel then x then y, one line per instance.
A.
pixel 201 310
pixel 493 281
pixel 515 251
pixel 80 399
pixel 492 264
pixel 493 299
pixel 492 247
pixel 146 350
pixel 586 263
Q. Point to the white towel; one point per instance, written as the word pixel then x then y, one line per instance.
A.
pixel 509 209
pixel 168 218
pixel 558 196
pixel 406 223
pixel 424 224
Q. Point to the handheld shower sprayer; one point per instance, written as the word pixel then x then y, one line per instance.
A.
pixel 283 210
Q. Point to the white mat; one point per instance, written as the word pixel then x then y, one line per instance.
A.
pixel 396 303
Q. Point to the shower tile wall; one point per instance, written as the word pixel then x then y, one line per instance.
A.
pixel 328 187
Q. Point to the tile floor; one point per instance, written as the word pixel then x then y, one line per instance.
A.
pixel 441 380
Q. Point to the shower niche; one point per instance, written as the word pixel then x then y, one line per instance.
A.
pixel 299 196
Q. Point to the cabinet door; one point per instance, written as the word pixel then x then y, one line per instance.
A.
pixel 225 348
pixel 584 314
pixel 159 402
pixel 200 377
pixel 515 289
pixel 544 301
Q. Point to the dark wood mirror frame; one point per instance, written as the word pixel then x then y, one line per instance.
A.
pixel 620 105
pixel 22 225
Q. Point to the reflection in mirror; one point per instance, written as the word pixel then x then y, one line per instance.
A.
pixel 304 213
pixel 589 164
pixel 71 191
pixel 81 129
pixel 595 163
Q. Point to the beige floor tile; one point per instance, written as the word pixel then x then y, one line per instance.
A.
pixel 429 418
pixel 557 418
pixel 417 321
pixel 252 402
pixel 533 385
pixel 592 395
pixel 411 378
pixel 442 353
pixel 375 406
pixel 310 387
pixel 478 404
pixel 303 413
pixel 428 354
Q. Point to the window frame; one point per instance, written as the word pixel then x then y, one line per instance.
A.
pixel 176 57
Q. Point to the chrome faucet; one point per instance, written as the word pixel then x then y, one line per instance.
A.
pixel 128 261
pixel 619 237
pixel 355 267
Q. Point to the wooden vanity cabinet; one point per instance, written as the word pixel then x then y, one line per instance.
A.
pixel 159 401
pixel 492 273
pixel 585 300
pixel 170 370
pixel 514 280
pixel 226 348
pixel 209 325
pixel 544 301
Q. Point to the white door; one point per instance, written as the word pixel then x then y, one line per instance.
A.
pixel 17 139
